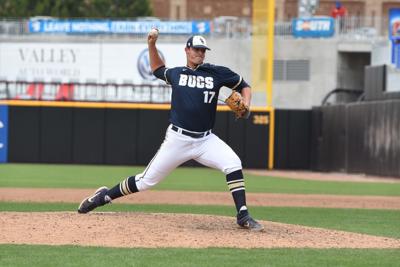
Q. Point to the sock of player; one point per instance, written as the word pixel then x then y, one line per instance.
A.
pixel 235 183
pixel 126 187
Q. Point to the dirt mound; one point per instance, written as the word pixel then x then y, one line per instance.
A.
pixel 128 229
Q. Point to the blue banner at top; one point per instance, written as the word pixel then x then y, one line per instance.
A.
pixel 118 27
pixel 313 27
pixel 394 23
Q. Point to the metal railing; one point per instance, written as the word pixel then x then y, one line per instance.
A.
pixel 14 26
pixel 57 91
pixel 360 27
pixel 351 27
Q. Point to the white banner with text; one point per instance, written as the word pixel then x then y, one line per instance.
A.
pixel 82 63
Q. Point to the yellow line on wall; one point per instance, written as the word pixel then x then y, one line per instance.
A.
pixel 72 104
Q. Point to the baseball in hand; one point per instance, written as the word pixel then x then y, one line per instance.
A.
pixel 153 33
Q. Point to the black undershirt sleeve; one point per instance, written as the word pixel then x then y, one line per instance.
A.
pixel 159 73
pixel 242 85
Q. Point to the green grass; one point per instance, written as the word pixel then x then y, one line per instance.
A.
pixel 65 256
pixel 186 179
pixel 373 222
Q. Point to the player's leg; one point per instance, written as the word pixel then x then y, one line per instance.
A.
pixel 223 158
pixel 172 153
pixel 216 154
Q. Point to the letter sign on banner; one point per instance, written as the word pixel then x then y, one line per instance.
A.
pixel 105 26
pixel 313 27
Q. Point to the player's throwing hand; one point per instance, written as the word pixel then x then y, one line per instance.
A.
pixel 152 36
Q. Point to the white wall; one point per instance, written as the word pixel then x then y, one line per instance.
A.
pixel 382 53
pixel 322 54
pixel 117 60
pixel 81 62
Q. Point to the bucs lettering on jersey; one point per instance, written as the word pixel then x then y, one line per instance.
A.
pixel 196 81
pixel 195 93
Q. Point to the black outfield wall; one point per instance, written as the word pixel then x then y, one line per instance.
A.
pixel 292 139
pixel 133 136
pixel 357 138
pixel 24 139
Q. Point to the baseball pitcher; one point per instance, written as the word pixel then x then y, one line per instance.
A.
pixel 195 91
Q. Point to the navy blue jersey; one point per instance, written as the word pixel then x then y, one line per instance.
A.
pixel 195 93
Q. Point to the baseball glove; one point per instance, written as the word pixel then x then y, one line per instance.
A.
pixel 236 104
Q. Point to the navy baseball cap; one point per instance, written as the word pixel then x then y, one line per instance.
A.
pixel 197 41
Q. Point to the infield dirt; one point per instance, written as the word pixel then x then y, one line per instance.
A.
pixel 131 229
pixel 134 229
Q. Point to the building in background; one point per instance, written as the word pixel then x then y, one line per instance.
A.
pixel 200 9
pixel 285 9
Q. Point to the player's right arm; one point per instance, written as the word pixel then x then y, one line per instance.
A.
pixel 155 59
pixel 157 65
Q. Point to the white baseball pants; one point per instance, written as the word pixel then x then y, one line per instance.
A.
pixel 178 148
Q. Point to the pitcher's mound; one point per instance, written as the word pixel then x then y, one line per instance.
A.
pixel 131 229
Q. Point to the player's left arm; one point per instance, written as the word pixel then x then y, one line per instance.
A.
pixel 235 82
pixel 246 95
pixel 240 99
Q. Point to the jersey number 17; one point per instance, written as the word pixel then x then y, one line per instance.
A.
pixel 208 96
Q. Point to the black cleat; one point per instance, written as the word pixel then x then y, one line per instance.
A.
pixel 245 221
pixel 99 198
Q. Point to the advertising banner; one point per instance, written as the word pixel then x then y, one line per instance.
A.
pixel 50 61
pixel 88 62
pixel 396 54
pixel 313 27
pixel 3 133
pixel 394 24
pixel 118 27
pixel 394 35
